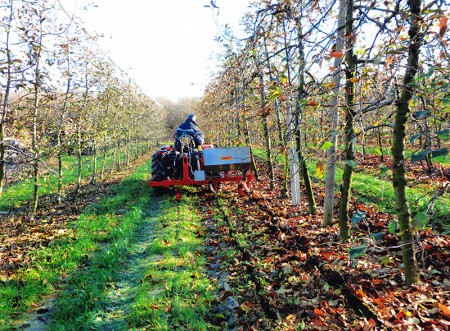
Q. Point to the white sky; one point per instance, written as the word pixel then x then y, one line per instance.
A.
pixel 165 45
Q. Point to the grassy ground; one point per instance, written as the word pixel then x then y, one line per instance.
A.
pixel 175 292
pixel 130 261
pixel 14 195
pixel 133 261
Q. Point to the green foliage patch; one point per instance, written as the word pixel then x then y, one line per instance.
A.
pixel 147 249
pixel 22 191
pixel 175 291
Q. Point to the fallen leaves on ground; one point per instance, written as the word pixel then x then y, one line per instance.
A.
pixel 285 271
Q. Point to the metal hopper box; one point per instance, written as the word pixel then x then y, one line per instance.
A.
pixel 227 159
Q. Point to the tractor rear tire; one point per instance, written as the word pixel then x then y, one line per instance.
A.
pixel 158 173
pixel 158 170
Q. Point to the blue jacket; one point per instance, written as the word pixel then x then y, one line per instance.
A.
pixel 196 132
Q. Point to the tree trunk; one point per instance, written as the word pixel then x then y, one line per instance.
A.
pixel 60 168
pixel 127 152
pixel 35 161
pixel 34 138
pixel 282 139
pixel 60 131
pixel 114 159
pixel 398 146
pixel 363 140
pixel 330 179
pixel 248 142
pixel 79 158
pixel 283 146
pixel 136 147
pixel 349 129
pixel 428 145
pixel 300 96
pixel 305 174
pixel 268 146
pixel 2 153
pixel 94 161
pixel 267 140
pixel 5 100
pixel 102 171
pixel 34 203
pixel 119 155
pixel 380 144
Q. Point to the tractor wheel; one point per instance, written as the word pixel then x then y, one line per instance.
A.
pixel 158 173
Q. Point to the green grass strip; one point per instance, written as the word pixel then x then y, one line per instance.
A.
pixel 131 261
pixel 22 191
pixel 99 237
pixel 175 292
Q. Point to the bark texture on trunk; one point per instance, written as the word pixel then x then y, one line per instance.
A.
pixel 5 100
pixel 398 146
pixel 330 179
pixel 346 186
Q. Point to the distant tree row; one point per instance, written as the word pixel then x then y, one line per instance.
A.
pixel 59 93
pixel 313 75
pixel 177 112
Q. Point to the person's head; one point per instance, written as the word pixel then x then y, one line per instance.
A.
pixel 190 118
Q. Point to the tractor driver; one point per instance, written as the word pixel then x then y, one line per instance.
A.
pixel 190 124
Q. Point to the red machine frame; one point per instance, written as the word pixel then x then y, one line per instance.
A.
pixel 213 182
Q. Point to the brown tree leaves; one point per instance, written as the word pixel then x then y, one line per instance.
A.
pixel 285 263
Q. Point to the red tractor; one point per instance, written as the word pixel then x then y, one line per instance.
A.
pixel 183 164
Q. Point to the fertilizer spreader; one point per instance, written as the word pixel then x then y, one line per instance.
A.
pixel 183 165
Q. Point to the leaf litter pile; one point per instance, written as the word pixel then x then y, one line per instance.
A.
pixel 277 268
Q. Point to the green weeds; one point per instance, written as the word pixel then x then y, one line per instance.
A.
pixel 175 291
pixel 130 261
pixel 20 192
